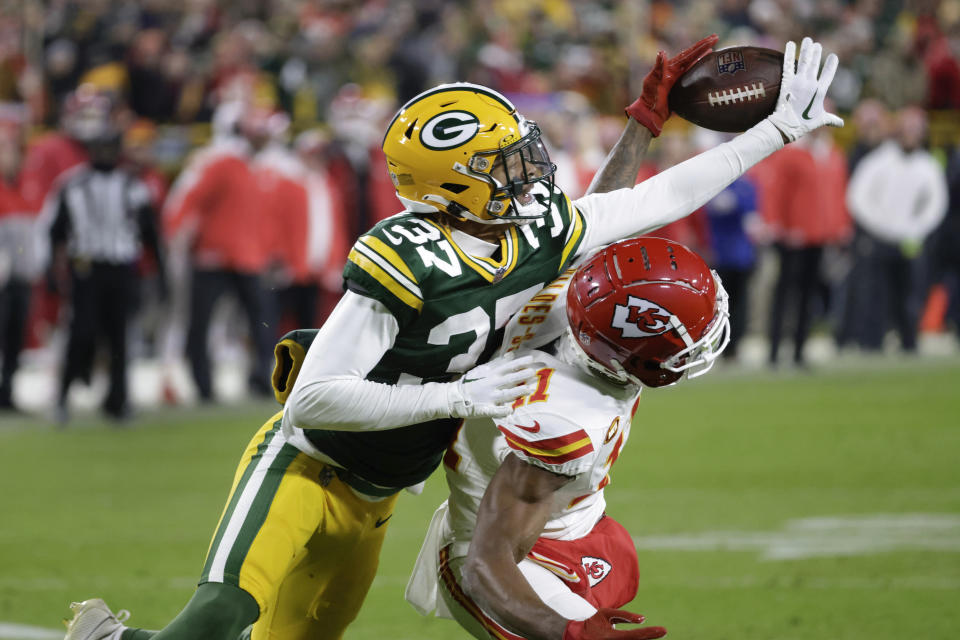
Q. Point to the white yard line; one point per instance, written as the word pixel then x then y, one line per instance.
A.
pixel 825 537
pixel 9 631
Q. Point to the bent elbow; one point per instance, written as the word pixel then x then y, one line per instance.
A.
pixel 325 403
pixel 469 578
pixel 309 405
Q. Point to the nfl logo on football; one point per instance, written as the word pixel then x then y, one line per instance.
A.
pixel 730 61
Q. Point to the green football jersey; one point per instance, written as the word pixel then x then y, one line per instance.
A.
pixel 451 308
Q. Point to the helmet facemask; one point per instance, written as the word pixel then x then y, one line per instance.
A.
pixel 698 356
pixel 520 175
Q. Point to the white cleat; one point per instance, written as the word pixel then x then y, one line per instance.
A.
pixel 93 620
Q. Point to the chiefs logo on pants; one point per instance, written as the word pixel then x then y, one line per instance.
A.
pixel 573 577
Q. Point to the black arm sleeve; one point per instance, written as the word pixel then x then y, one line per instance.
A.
pixel 60 228
pixel 147 220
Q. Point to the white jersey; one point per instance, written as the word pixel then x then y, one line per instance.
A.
pixel 574 424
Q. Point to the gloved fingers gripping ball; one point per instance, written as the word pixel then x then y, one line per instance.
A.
pixel 652 108
pixel 799 108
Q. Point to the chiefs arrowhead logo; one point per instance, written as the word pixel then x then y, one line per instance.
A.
pixel 596 569
pixel 640 318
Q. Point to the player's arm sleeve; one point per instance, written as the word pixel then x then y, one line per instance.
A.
pixel 560 446
pixel 514 509
pixel 375 269
pixel 330 391
pixel 674 193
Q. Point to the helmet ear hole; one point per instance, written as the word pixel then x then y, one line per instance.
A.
pixel 454 187
pixel 649 365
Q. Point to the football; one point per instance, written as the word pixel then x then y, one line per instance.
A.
pixel 729 90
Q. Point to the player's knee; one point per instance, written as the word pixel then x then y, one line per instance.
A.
pixel 226 605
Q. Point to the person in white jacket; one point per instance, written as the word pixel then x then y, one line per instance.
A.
pixel 897 196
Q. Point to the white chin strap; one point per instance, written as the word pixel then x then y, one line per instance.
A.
pixel 699 356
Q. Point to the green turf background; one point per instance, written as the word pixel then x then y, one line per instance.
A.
pixel 126 514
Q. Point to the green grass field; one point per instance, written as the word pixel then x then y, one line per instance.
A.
pixel 784 506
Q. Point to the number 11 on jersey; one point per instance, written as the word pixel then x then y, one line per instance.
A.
pixel 540 393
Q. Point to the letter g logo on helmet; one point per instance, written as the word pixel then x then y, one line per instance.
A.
pixel 449 129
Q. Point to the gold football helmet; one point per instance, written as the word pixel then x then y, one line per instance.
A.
pixel 462 149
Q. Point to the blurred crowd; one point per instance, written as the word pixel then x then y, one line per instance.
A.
pixel 162 159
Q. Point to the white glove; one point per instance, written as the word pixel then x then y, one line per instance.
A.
pixel 799 108
pixel 489 389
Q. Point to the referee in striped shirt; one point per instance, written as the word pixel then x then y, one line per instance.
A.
pixel 103 219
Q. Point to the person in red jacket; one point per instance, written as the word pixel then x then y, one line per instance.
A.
pixel 51 155
pixel 19 260
pixel 802 201
pixel 214 207
pixel 312 240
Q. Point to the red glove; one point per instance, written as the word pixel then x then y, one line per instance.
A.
pixel 651 109
pixel 600 627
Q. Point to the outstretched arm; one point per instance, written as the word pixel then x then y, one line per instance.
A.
pixel 684 188
pixel 646 117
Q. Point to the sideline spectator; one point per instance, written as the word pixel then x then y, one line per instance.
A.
pixel 871 124
pixel 215 207
pixel 897 196
pixel 20 262
pixel 802 194
pixel 310 240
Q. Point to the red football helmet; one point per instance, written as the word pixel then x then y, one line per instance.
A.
pixel 648 310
